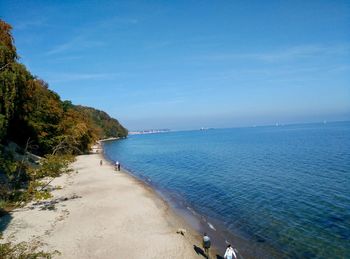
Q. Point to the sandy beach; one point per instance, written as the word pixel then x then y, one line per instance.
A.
pixel 102 213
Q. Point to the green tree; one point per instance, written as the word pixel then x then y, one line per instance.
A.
pixel 29 110
pixel 8 56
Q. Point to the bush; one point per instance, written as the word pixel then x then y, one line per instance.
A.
pixel 24 250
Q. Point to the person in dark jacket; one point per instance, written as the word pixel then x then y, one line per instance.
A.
pixel 206 244
pixel 117 166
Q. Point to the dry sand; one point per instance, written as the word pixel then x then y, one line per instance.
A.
pixel 111 215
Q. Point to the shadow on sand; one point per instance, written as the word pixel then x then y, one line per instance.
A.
pixel 201 252
pixel 5 219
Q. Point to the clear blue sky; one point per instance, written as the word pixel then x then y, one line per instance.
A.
pixel 190 64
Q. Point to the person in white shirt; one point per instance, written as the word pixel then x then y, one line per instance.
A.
pixel 230 253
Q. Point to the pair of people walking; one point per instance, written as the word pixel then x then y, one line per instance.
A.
pixel 117 166
pixel 229 253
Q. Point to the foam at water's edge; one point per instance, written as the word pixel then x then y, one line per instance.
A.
pixel 211 226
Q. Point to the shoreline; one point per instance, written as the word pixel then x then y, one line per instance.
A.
pixel 180 210
pixel 218 232
pixel 194 221
pixel 177 213
pixel 102 213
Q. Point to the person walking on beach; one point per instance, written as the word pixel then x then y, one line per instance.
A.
pixel 101 162
pixel 117 166
pixel 230 252
pixel 206 244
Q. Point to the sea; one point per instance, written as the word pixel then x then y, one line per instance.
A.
pixel 271 191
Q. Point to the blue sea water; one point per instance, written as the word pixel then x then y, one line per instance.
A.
pixel 284 190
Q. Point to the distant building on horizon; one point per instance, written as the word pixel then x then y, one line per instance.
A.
pixel 150 131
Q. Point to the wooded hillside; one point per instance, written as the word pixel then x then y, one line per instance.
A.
pixel 32 113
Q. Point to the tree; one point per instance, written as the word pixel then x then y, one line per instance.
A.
pixel 8 52
pixel 8 56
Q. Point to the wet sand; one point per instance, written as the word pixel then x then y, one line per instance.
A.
pixel 102 213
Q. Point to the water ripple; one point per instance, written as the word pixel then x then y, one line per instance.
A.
pixel 285 188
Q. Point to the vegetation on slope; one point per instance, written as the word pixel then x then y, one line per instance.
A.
pixel 30 110
pixel 39 122
pixel 35 118
pixel 108 126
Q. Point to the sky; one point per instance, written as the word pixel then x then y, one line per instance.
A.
pixel 191 64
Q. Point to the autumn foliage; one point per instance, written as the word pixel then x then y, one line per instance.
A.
pixel 30 110
pixel 39 122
